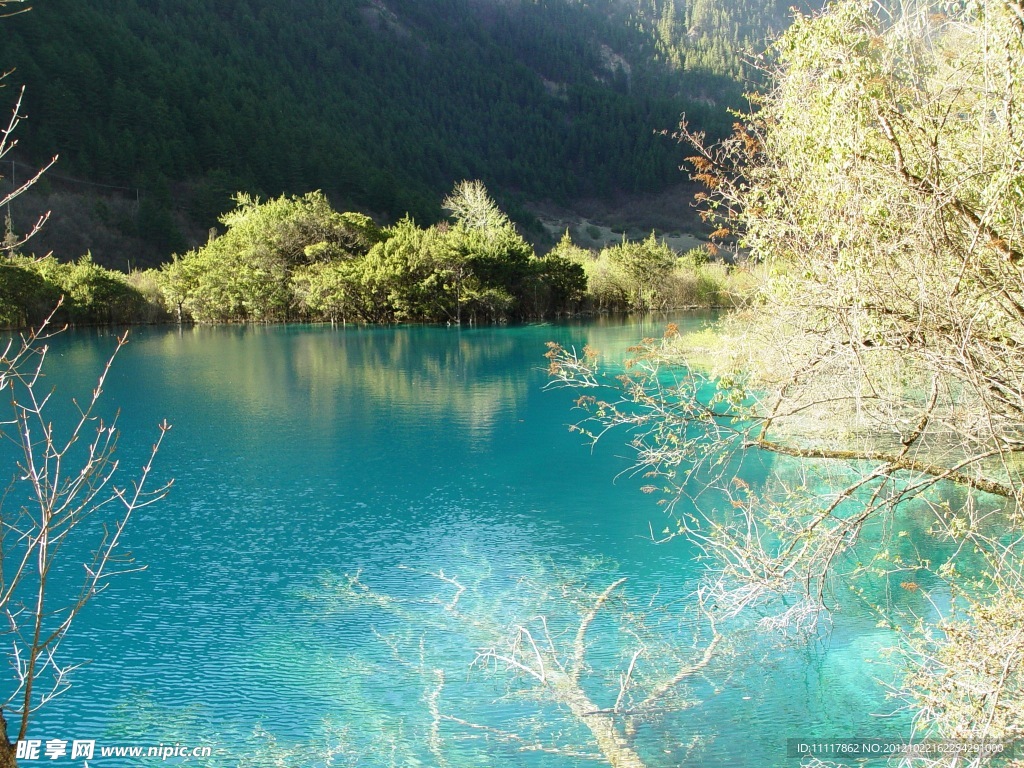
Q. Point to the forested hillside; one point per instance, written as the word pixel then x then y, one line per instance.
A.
pixel 380 104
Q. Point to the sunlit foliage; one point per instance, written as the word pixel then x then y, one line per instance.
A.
pixel 880 368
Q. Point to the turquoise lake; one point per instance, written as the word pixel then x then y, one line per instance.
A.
pixel 359 515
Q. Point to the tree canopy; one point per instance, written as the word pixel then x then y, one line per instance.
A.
pixel 295 258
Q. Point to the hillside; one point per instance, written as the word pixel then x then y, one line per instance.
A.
pixel 175 104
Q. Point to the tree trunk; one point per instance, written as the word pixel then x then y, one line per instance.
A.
pixel 610 742
pixel 7 749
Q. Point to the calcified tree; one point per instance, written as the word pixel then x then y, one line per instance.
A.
pixel 879 177
pixel 539 635
pixel 553 671
pixel 64 511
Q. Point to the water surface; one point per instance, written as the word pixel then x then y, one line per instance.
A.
pixel 357 515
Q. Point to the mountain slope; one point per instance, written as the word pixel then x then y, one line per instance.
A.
pixel 381 103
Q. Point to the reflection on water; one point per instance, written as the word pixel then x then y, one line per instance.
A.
pixel 425 461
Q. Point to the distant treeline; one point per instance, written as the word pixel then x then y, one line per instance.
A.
pixel 382 105
pixel 296 259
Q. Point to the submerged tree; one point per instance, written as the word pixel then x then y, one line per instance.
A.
pixel 579 672
pixel 880 179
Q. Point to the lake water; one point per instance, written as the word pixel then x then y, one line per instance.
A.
pixel 359 516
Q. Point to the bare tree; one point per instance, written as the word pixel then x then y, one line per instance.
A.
pixel 66 500
pixel 471 206
pixel 8 142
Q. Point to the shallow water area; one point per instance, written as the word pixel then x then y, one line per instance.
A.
pixel 359 516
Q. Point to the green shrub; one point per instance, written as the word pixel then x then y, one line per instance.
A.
pixel 26 298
